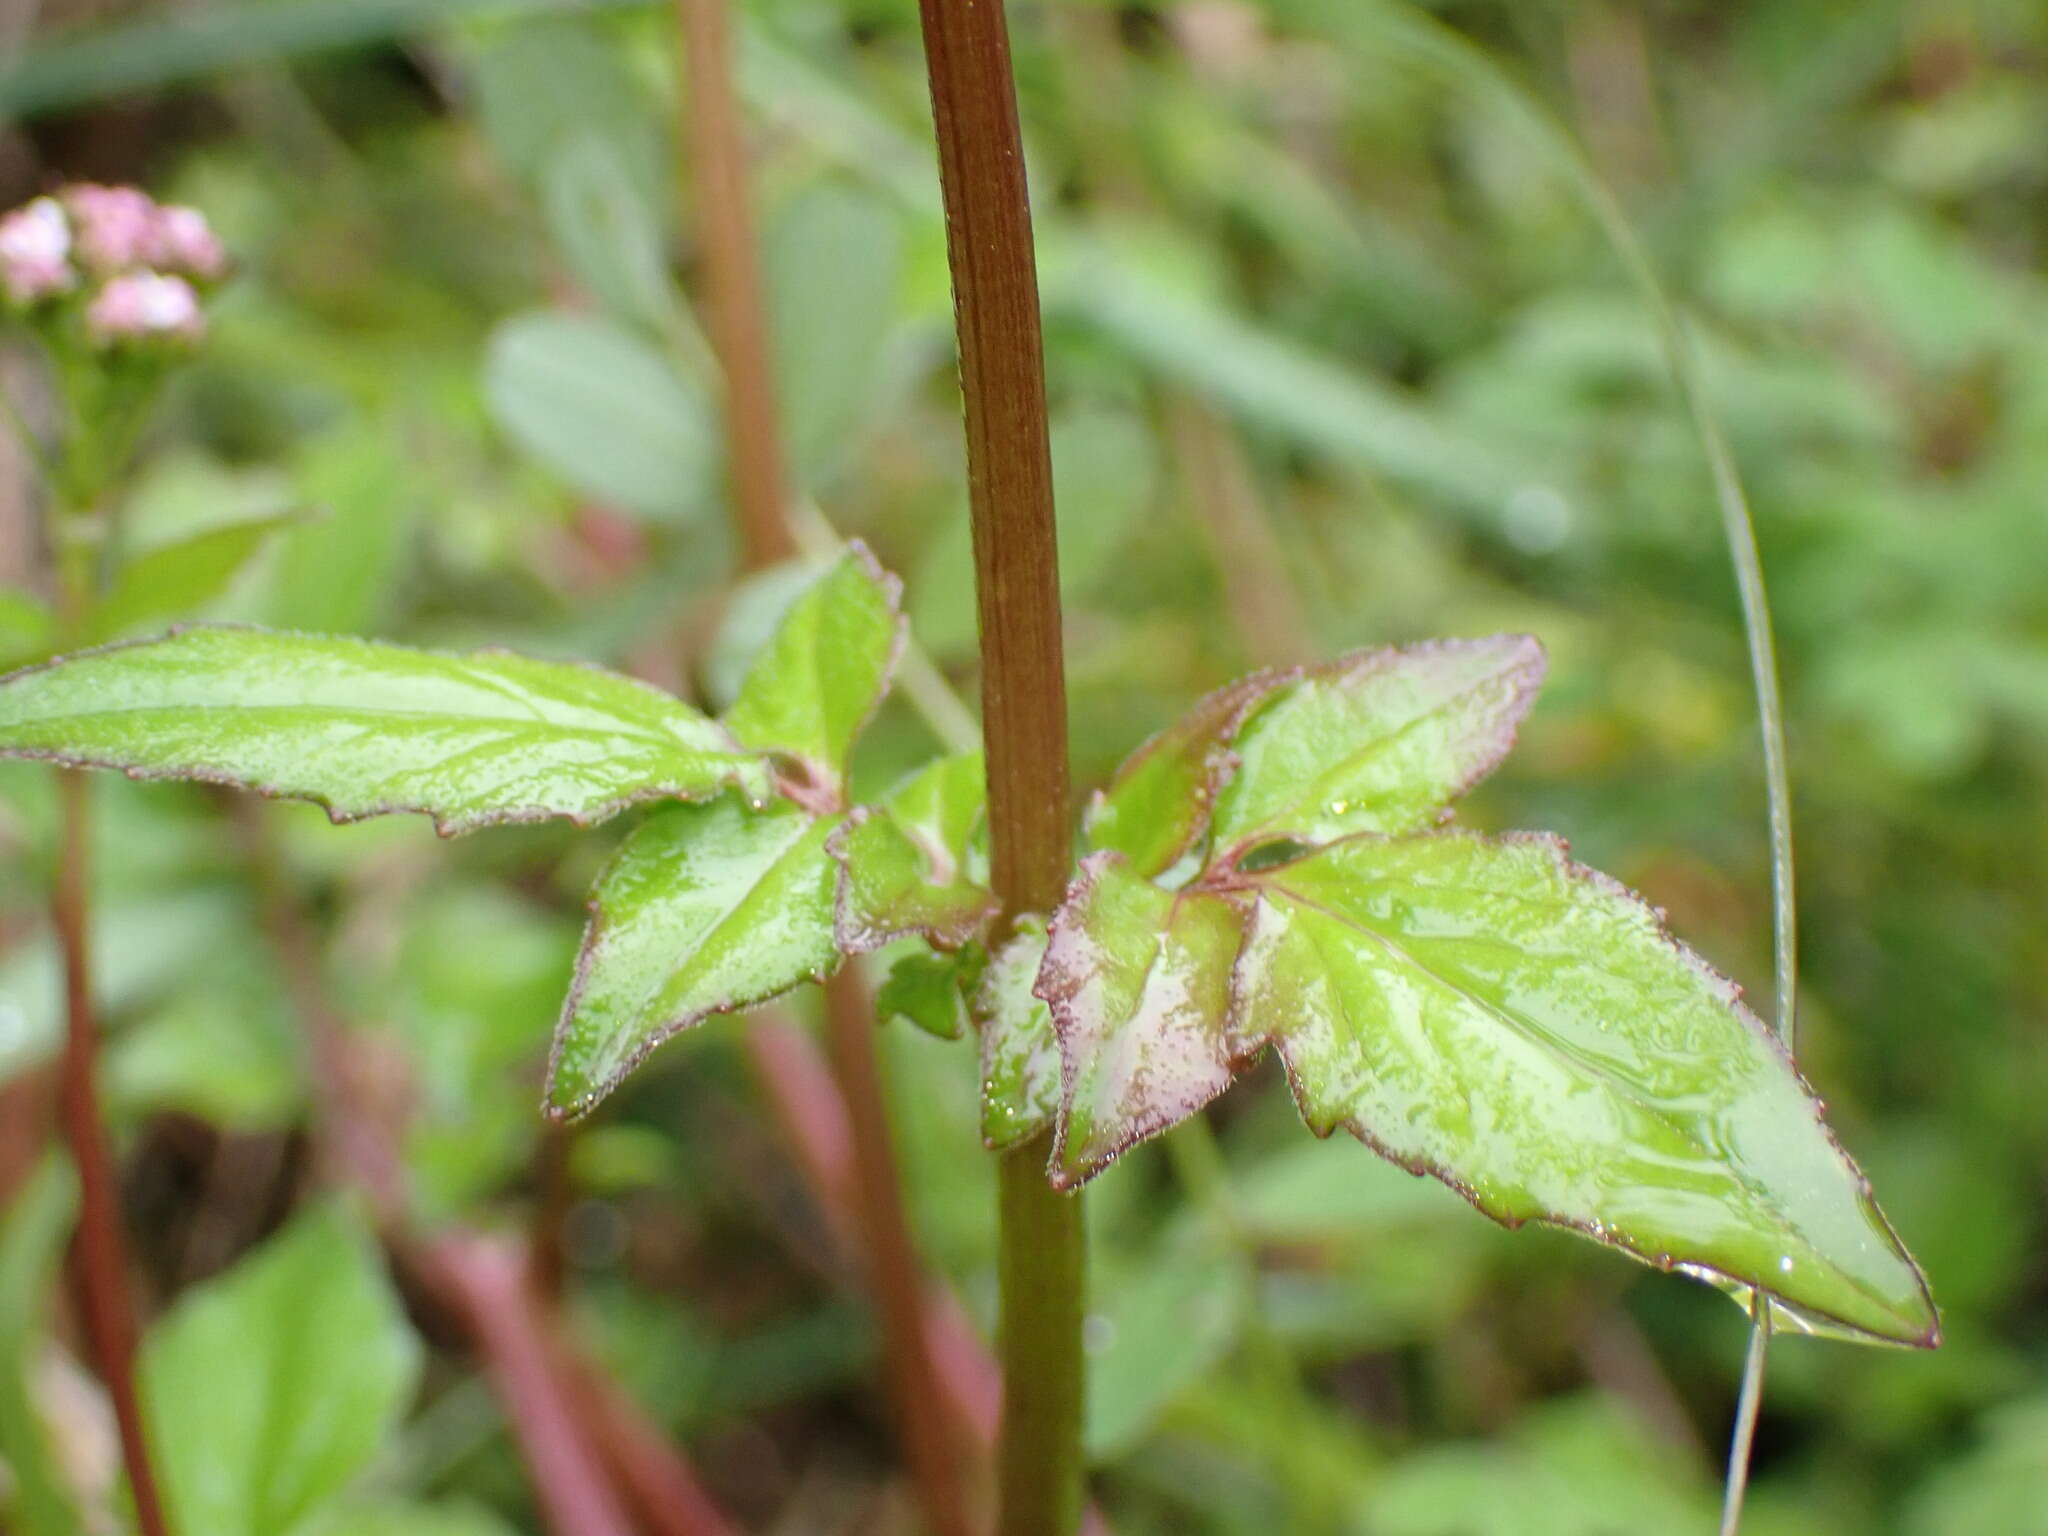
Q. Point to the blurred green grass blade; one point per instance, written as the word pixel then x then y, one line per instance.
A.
pixel 38 1221
pixel 72 70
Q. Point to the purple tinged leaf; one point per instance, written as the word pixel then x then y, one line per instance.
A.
pixel 1157 808
pixel 1020 1059
pixel 1138 981
pixel 1380 741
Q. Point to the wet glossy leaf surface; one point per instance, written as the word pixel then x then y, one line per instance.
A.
pixel 1158 806
pixel 1020 1059
pixel 1138 980
pixel 825 669
pixel 705 909
pixel 272 1387
pixel 1378 742
pixel 1524 1029
pixel 366 729
pixel 909 866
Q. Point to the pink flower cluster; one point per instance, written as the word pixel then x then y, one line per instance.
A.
pixel 144 261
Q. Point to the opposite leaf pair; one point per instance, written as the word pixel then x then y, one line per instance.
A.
pixel 740 889
pixel 1268 873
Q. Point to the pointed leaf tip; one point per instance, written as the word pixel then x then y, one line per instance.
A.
pixel 1379 741
pixel 366 729
pixel 705 909
pixel 825 670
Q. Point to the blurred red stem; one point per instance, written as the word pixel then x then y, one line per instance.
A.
pixel 580 1460
pixel 102 1260
pixel 865 1179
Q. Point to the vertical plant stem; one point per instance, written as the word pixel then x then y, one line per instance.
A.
pixel 716 157
pixel 102 1252
pixel 1024 708
pixel 739 333
pixel 102 1257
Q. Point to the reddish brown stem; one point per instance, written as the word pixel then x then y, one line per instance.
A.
pixel 732 281
pixel 583 1441
pixel 1024 706
pixel 489 1286
pixel 101 1253
pixel 740 337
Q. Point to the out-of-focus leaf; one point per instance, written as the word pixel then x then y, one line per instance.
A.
pixel 1157 808
pixel 1138 979
pixel 25 627
pixel 834 262
pixel 1526 1030
pixel 1163 1331
pixel 394 1519
pixel 824 670
pixel 1378 742
pixel 366 729
pixel 1995 1487
pixel 175 580
pixel 34 1500
pixel 336 574
pixel 608 230
pixel 932 991
pixel 223 1050
pixel 271 1388
pixel 706 909
pixel 907 866
pixel 604 410
pixel 1020 1059
pixel 755 607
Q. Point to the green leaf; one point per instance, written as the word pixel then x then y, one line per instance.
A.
pixel 1020 1059
pixel 609 231
pixel 932 991
pixel 175 580
pixel 395 1519
pixel 1167 1327
pixel 1138 979
pixel 908 867
pixel 271 1388
pixel 1381 741
pixel 823 672
pixel 366 729
pixel 34 1500
pixel 25 629
pixel 604 410
pixel 1157 807
pixel 706 909
pixel 1525 1030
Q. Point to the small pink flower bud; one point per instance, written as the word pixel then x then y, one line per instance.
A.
pixel 116 226
pixel 140 306
pixel 35 246
pixel 185 242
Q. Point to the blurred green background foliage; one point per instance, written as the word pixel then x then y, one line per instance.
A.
pixel 1339 356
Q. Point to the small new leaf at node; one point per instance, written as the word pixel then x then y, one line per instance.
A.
pixel 931 991
pixel 824 670
pixel 1138 980
pixel 1381 741
pixel 1020 1059
pixel 366 729
pixel 909 866
pixel 705 909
